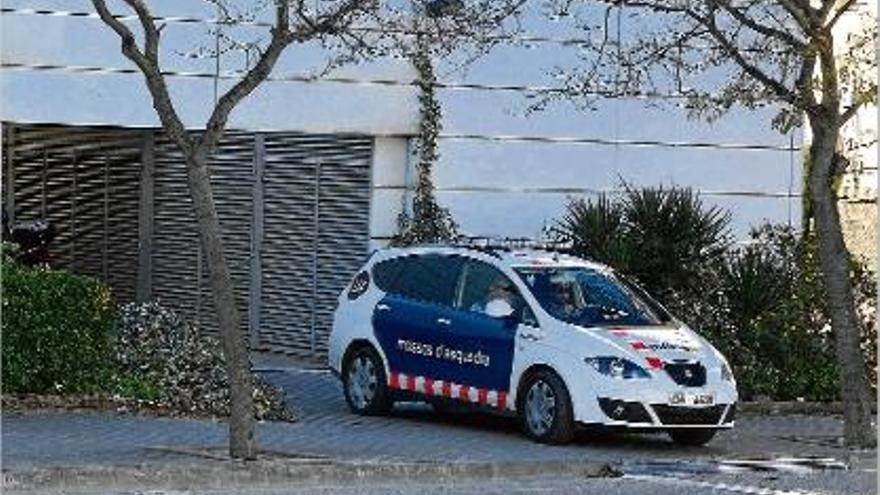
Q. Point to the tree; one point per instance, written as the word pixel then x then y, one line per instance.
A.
pixel 355 29
pixel 712 55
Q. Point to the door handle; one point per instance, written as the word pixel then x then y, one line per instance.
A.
pixel 383 307
pixel 444 321
pixel 530 336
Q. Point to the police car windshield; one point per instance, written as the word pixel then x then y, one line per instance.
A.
pixel 588 297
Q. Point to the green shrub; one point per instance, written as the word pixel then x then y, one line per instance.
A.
pixel 674 234
pixel 767 312
pixel 56 331
pixel 184 370
pixel 131 386
pixel 596 230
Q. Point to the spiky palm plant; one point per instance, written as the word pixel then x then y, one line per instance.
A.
pixel 666 238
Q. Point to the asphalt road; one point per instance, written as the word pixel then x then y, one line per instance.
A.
pixel 847 483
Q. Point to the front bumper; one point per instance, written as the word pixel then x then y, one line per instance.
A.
pixel 631 414
pixel 647 404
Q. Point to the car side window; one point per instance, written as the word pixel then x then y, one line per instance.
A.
pixel 482 283
pixel 428 278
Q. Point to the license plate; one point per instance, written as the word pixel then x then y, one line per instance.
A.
pixel 686 399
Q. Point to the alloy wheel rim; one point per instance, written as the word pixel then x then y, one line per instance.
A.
pixel 362 382
pixel 540 407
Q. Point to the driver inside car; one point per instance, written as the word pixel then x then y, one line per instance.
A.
pixel 563 298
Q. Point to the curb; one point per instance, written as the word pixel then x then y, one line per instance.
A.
pixel 781 408
pixel 254 474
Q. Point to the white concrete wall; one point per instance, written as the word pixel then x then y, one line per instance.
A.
pixel 63 96
pixel 389 183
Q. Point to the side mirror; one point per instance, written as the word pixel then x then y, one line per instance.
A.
pixel 499 308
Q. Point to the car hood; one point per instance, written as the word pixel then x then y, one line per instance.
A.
pixel 656 345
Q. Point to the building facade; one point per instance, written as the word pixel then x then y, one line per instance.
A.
pixel 313 172
pixel 858 187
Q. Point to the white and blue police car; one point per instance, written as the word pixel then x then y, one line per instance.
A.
pixel 554 339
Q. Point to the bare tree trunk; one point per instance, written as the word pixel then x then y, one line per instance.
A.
pixel 241 402
pixel 834 259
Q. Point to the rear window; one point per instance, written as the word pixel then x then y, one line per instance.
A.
pixel 429 278
pixel 386 273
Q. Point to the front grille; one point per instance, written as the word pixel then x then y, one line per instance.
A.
pixel 687 374
pixel 618 410
pixel 672 415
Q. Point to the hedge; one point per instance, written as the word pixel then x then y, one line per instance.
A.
pixel 57 331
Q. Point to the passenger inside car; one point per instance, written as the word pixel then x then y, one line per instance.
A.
pixel 500 290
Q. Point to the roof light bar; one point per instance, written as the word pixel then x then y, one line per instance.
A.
pixel 486 243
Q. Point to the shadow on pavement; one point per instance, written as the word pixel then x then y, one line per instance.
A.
pixel 594 437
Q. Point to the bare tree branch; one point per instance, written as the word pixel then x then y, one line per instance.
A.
pixel 125 34
pixel 151 33
pixel 598 63
pixel 281 37
pixel 843 9
pixel 757 27
pixel 148 63
pixel 825 7
pixel 334 22
pixel 850 112
pixel 777 87
pixel 801 11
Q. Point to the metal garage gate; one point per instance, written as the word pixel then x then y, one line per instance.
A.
pixel 85 182
pixel 294 208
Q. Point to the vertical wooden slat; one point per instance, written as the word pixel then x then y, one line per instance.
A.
pixel 145 219
pixel 44 177
pixel 256 265
pixel 316 237
pixel 10 172
pixel 73 195
pixel 197 320
pixel 105 249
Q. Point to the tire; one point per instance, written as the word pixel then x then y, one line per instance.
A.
pixel 364 383
pixel 545 422
pixel 692 438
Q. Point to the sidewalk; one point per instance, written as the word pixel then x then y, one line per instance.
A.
pixel 41 440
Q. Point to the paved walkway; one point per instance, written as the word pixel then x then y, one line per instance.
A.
pixel 412 433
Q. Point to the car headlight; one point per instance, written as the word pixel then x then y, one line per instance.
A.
pixel 726 374
pixel 616 367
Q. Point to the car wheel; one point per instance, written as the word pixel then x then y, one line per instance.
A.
pixel 694 438
pixel 545 408
pixel 364 383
